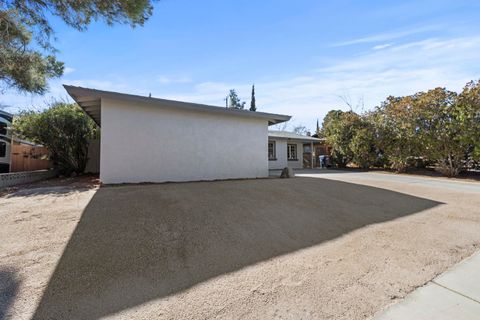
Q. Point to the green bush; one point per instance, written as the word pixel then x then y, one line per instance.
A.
pixel 439 125
pixel 62 128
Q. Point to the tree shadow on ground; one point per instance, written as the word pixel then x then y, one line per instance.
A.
pixel 9 284
pixel 136 243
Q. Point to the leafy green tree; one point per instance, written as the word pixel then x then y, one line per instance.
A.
pixel 448 126
pixel 363 144
pixel 253 106
pixel 64 129
pixel 469 101
pixel 27 56
pixel 339 128
pixel 397 131
pixel 234 101
pixel 20 67
pixel 438 126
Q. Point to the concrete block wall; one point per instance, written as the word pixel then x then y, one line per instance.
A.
pixel 16 178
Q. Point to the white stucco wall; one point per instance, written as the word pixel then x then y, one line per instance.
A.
pixel 281 155
pixel 145 143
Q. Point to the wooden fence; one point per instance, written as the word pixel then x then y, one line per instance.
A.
pixel 29 158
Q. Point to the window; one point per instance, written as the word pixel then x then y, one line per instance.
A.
pixel 291 151
pixel 3 149
pixel 271 151
pixel 3 128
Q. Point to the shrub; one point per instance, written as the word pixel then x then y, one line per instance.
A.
pixel 64 129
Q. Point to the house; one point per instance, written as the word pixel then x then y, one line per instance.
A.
pixel 145 139
pixel 288 149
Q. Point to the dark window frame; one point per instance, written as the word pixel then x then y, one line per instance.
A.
pixel 290 156
pixel 3 128
pixel 273 157
pixel 3 149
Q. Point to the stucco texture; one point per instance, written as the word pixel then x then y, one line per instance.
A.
pixel 281 160
pixel 145 143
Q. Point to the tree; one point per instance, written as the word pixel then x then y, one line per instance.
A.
pixel 398 134
pixel 27 57
pixel 363 144
pixel 300 129
pixel 317 130
pixel 448 126
pixel 234 100
pixel 64 129
pixel 253 107
pixel 437 126
pixel 469 101
pixel 339 128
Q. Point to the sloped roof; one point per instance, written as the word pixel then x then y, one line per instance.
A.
pixel 291 135
pixel 89 100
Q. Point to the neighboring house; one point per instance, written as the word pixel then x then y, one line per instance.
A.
pixel 5 141
pixel 146 139
pixel 288 149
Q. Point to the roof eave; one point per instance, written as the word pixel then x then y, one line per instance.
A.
pixel 90 101
pixel 297 139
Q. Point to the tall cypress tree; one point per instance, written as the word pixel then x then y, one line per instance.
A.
pixel 318 128
pixel 253 107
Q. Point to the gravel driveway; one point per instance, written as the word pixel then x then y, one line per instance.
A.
pixel 302 248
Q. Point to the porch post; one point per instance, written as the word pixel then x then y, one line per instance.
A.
pixel 311 154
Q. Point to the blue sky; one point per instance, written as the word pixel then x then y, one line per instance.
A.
pixel 305 57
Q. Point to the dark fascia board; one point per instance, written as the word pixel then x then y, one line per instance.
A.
pixel 80 94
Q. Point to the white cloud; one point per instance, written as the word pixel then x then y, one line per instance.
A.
pixel 19 101
pixel 371 77
pixel 68 70
pixel 171 80
pixel 387 36
pixel 382 46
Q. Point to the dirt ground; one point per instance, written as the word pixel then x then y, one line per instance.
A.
pixel 301 248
